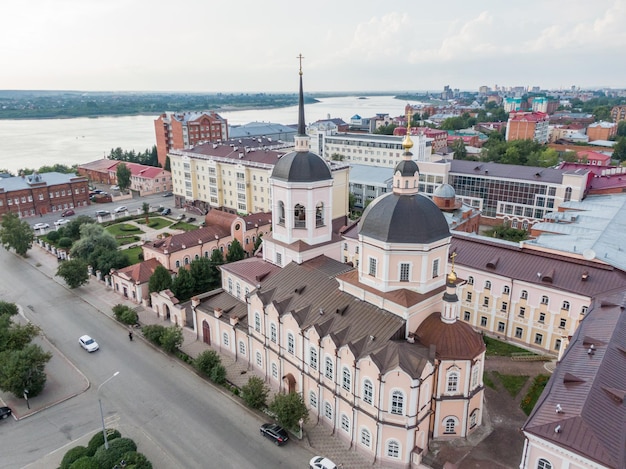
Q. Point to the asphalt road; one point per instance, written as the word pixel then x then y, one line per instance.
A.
pixel 194 424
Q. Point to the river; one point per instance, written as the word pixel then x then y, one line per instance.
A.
pixel 45 142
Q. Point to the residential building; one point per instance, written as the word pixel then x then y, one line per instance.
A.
pixel 513 104
pixel 132 282
pixel 527 125
pixel 269 130
pixel 602 131
pixel 604 179
pixel 318 129
pixel 545 105
pixel 568 117
pixel 144 179
pixel 368 183
pixel 439 137
pixel 569 133
pixel 37 194
pixel 618 113
pixel 180 130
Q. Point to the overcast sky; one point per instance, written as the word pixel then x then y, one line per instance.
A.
pixel 366 45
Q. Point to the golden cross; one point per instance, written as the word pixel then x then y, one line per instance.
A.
pixel 300 57
pixel 452 256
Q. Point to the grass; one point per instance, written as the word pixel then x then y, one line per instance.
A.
pixel 133 254
pixel 497 348
pixel 182 225
pixel 488 381
pixel 156 222
pixel 123 229
pixel 529 401
pixel 512 383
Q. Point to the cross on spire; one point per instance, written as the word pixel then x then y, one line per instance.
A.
pixel 300 57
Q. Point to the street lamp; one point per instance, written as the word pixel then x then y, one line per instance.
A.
pixel 104 431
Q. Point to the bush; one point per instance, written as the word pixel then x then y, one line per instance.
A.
pixel 218 374
pixel 98 440
pixel 125 314
pixel 153 333
pixel 172 338
pixel 85 462
pixel 73 455
pixel 254 393
pixel 65 243
pixel 115 453
pixel 53 236
pixel 529 401
pixel 136 460
pixel 206 361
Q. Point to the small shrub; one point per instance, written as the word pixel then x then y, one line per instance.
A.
pixel 86 462
pixel 255 393
pixel 140 255
pixel 206 361
pixel 98 440
pixel 235 390
pixel 125 314
pixel 172 338
pixel 529 401
pixel 65 243
pixel 153 333
pixel 53 236
pixel 115 453
pixel 72 455
pixel 136 460
pixel 218 374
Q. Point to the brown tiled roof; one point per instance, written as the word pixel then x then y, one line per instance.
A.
pixel 139 273
pixel 536 267
pixel 588 386
pixel 179 242
pixel 456 340
pixel 220 218
pixel 253 270
pixel 230 306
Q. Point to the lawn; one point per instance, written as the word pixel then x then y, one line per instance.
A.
pixel 133 254
pixel 512 383
pixel 183 225
pixel 123 229
pixel 497 348
pixel 529 401
pixel 156 223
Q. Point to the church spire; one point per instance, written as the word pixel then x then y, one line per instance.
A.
pixel 450 298
pixel 301 140
pixel 406 173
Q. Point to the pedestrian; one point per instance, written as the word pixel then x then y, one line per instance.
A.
pixel 130 335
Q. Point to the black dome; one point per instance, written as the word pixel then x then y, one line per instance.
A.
pixel 396 218
pixel 301 166
pixel 407 168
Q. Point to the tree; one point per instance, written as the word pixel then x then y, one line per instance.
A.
pixel 289 409
pixel 105 259
pixel 183 285
pixel 235 251
pixel 92 236
pixel 74 272
pixel 16 234
pixel 200 270
pixel 123 176
pixel 621 129
pixel 7 308
pixel 23 370
pixel 460 152
pixel 255 392
pixel 145 207
pixel 160 279
pixel 257 243
pixel 16 336
pixel 619 150
pixel 206 361
pixel 172 339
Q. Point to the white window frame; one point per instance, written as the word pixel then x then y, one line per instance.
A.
pixel 368 391
pixel 313 358
pixel 291 343
pixel 365 438
pixel 396 403
pixel 346 378
pixel 452 382
pixel 273 332
pixel 393 449
pixel 257 321
pixel 329 368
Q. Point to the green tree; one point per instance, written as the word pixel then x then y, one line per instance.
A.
pixel 105 259
pixel 117 448
pixel 160 279
pixel 218 374
pixel 289 409
pixel 98 440
pixel 74 272
pixel 257 243
pixel 255 393
pixel 460 152
pixel 72 455
pixel 235 251
pixel 172 338
pixel 183 285
pixel 125 314
pixel 145 207
pixel 92 237
pixel 123 176
pixel 386 129
pixel 619 150
pixel 86 462
pixel 206 361
pixel 23 369
pixel 200 270
pixel 16 234
pixel 621 129
pixel 217 259
pixel 15 336
pixel 10 309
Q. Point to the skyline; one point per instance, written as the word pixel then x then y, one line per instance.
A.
pixel 247 46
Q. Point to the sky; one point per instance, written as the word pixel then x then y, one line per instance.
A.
pixel 366 45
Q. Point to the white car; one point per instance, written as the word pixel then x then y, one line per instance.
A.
pixel 320 462
pixel 120 209
pixel 62 221
pixel 88 343
pixel 40 226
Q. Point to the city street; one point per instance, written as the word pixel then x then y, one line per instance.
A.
pixel 153 396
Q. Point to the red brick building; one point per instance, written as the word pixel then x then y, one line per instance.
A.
pixel 37 194
pixel 181 130
pixel 601 131
pixel 527 126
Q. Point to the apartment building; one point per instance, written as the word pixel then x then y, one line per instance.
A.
pixel 38 194
pixel 180 130
pixel 618 113
pixel 270 130
pixel 144 179
pixel 439 137
pixel 601 131
pixel 527 125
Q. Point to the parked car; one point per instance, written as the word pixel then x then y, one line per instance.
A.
pixel 274 432
pixel 120 209
pixel 191 219
pixel 181 216
pixel 61 221
pixel 168 194
pixel 320 462
pixel 102 213
pixel 160 209
pixel 88 343
pixel 5 412
pixel 40 226
pixel 167 211
pixel 67 212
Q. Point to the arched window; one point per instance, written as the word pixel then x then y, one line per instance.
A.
pixel 281 213
pixel 452 382
pixel 475 371
pixel 544 464
pixel 397 402
pixel 346 379
pixel 474 418
pixel 273 332
pixel 274 370
pixel 487 285
pixel 366 437
pixel 470 280
pixel 313 399
pixel 230 286
pixel 328 368
pixel 319 214
pixel 524 295
pixel 565 305
pixel 242 347
pixel 291 343
pixel 196 257
pixel 450 425
pixel 177 264
pixel 186 260
pixel 225 339
pixel 259 359
pixel 368 391
pixel 257 322
pixel 393 449
pixel 206 254
pixel 345 423
pixel 328 410
pixel 313 358
pixel 299 218
pixel 506 290
pixel 238 290
pixel 544 300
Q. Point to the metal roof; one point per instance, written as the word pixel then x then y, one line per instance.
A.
pixel 508 171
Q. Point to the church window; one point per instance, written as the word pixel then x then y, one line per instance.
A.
pixel 475 371
pixel 397 402
pixel 366 437
pixel 273 332
pixel 450 425
pixel 329 369
pixel 452 382
pixel 470 280
pixel 257 322
pixel 544 464
pixel 328 410
pixel 487 285
pixel 281 213
pixel 404 272
pixel 346 381
pixel 319 214
pixel 372 269
pixel 506 290
pixel 274 370
pixel 345 423
pixel 313 399
pixel 313 358
pixel 435 268
pixel 291 347
pixel 393 449
pixel 474 418
pixel 299 220
pixel 368 391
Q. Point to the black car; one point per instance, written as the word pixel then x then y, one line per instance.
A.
pixel 5 412
pixel 167 211
pixel 168 194
pixel 274 432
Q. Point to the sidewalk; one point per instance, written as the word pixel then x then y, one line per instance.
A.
pixel 318 438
